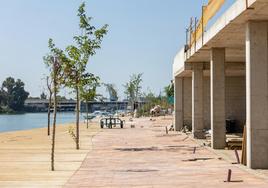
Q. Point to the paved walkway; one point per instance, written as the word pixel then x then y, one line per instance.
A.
pixel 145 156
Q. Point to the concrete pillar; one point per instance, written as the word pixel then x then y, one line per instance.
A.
pixel 197 101
pixel 178 105
pixel 217 84
pixel 257 94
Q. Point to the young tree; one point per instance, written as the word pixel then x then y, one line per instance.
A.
pixel 137 80
pixel 169 90
pixel 78 56
pixel 54 61
pixel 88 90
pixel 50 92
pixel 133 88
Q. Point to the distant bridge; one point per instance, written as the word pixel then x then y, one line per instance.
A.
pixel 41 105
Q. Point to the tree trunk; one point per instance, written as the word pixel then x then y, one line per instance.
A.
pixel 54 115
pixel 87 112
pixel 77 118
pixel 48 115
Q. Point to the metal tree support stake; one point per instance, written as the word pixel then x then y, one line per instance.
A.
pixel 229 176
pixel 237 156
pixel 194 150
pixel 166 130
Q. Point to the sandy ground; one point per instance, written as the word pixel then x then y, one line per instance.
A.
pixel 145 157
pixel 25 157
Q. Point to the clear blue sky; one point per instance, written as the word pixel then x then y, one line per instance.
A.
pixel 144 36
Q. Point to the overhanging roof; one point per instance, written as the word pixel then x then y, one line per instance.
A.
pixel 228 31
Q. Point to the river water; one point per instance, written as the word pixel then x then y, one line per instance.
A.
pixel 32 120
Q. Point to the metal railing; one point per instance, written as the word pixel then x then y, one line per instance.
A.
pixel 197 27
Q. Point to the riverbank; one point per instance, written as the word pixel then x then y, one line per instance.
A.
pixel 25 156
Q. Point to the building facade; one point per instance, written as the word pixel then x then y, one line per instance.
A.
pixel 224 75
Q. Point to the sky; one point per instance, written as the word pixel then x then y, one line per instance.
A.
pixel 144 37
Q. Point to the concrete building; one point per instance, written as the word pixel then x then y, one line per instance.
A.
pixel 224 75
pixel 110 106
pixel 41 105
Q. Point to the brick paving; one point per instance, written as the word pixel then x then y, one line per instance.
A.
pixel 145 157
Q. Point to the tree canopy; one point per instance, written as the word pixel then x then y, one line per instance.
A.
pixel 89 86
pixel 13 95
pixel 85 45
pixel 133 87
pixel 169 90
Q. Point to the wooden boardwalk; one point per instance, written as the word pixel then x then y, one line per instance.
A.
pixel 25 157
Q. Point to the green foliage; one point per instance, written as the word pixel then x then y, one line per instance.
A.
pixel 133 87
pixel 68 67
pixel 151 102
pixel 89 87
pixel 74 60
pixel 85 46
pixel 13 95
pixel 130 91
pixel 55 61
pixel 71 131
pixel 112 92
pixel 70 64
pixel 169 90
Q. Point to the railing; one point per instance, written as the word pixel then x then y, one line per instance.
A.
pixel 197 27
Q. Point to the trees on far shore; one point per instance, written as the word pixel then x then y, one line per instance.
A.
pixel 12 96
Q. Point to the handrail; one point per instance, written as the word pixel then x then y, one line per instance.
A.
pixel 208 12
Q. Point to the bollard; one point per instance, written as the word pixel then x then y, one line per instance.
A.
pixel 237 156
pixel 194 150
pixel 229 176
pixel 166 130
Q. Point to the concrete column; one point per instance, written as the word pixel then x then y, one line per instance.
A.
pixel 178 105
pixel 197 101
pixel 257 94
pixel 217 84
